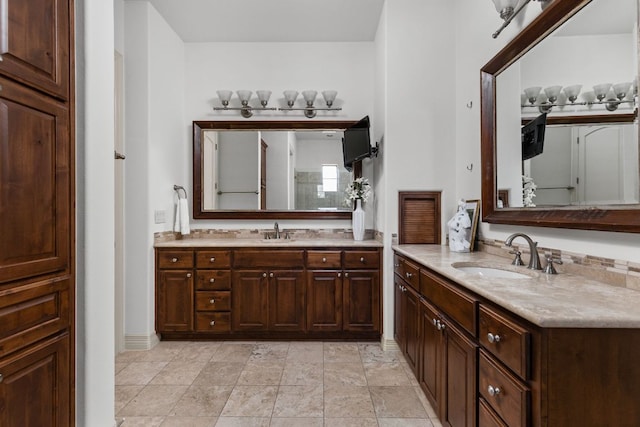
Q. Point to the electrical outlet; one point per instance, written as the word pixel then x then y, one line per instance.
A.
pixel 160 216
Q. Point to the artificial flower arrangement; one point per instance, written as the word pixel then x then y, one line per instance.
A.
pixel 358 189
pixel 528 191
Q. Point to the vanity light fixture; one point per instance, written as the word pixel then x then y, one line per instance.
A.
pixel 602 92
pixel 509 9
pixel 290 97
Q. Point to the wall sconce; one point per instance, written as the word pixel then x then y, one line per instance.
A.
pixel 601 92
pixel 290 97
pixel 509 9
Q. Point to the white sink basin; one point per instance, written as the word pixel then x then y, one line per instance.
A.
pixel 490 271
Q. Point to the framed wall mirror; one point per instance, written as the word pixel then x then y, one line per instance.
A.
pixel 270 170
pixel 586 166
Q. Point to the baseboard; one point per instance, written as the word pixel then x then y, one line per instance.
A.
pixel 389 344
pixel 140 342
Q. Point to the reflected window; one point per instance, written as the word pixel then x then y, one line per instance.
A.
pixel 329 178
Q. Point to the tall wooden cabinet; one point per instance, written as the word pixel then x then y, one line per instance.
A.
pixel 37 193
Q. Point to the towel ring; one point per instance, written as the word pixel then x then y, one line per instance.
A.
pixel 177 189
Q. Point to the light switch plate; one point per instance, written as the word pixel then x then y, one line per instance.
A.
pixel 160 216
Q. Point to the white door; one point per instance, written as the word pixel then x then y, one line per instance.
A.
pixel 119 203
pixel 551 170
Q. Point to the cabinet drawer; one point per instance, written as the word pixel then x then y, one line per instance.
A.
pixel 213 322
pixel 269 259
pixel 397 265
pixel 324 259
pixel 507 395
pixel 213 279
pixel 486 416
pixel 457 305
pixel 506 340
pixel 213 301
pixel 411 274
pixel 361 259
pixel 175 259
pixel 213 259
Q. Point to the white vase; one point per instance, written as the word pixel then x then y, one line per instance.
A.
pixel 357 221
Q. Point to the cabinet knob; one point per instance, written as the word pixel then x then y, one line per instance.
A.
pixel 409 275
pixel 346 274
pixel 339 274
pixel 440 325
pixel 396 265
pixel 324 259
pixel 264 274
pixel 493 391
pixel 362 260
pixel 188 274
pixel 404 289
pixel 212 301
pixel 212 323
pixel 212 259
pixel 1 378
pixel 435 322
pixel 270 274
pixel 212 280
pixel 174 259
pixel 493 338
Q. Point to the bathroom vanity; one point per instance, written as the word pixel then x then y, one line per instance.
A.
pixel 529 350
pixel 268 289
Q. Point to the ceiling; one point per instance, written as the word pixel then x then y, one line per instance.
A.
pixel 272 20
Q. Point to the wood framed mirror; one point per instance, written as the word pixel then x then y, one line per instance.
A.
pixel 606 217
pixel 244 185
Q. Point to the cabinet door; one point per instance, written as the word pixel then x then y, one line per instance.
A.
pixel 429 377
pixel 286 301
pixel 398 324
pixel 174 310
pixel 35 386
pixel 324 301
pixel 34 43
pixel 35 184
pixel 249 300
pixel 460 359
pixel 361 301
pixel 411 312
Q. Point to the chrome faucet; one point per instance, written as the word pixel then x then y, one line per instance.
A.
pixel 276 230
pixel 534 260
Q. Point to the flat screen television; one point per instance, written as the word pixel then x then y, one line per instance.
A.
pixel 533 137
pixel 356 143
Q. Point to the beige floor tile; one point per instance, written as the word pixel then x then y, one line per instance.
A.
pixel 165 351
pixel 372 352
pixel 238 352
pixel 299 401
pixel 251 401
pixel 202 401
pixel 198 351
pixel 178 373
pixel 350 422
pixel 124 394
pixel 142 422
pixel 310 352
pixel 396 402
pixel 153 400
pixel 269 351
pixel 302 373
pixel 404 422
pixel 261 373
pixel 341 352
pixel 385 374
pixel 189 422
pixel 296 422
pixel 119 366
pixel 347 402
pixel 243 422
pixel 129 356
pixel 219 373
pixel 139 373
pixel 344 374
pixel 431 413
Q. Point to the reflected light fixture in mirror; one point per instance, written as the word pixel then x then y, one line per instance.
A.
pixel 611 96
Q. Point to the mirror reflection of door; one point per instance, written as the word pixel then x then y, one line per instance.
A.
pixel 263 174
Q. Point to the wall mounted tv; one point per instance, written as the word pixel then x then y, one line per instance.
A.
pixel 356 143
pixel 533 137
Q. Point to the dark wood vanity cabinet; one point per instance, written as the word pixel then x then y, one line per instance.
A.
pixel 37 213
pixel 268 293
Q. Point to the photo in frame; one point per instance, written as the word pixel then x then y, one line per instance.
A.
pixel 473 209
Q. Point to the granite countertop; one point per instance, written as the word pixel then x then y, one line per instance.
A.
pixel 267 243
pixel 556 301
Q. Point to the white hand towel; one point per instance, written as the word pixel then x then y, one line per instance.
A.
pixel 181 223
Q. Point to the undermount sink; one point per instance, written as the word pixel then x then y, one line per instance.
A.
pixel 492 271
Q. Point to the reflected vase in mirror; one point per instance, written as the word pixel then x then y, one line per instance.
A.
pixel 357 221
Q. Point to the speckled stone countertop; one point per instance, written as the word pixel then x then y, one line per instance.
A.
pixel 267 243
pixel 555 301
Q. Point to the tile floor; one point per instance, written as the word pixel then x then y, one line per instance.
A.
pixel 288 384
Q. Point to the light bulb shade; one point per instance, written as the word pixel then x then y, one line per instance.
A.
pixel 572 92
pixel 601 90
pixel 532 93
pixel 329 96
pixel 225 96
pixel 621 89
pixel 244 95
pixel 505 7
pixel 552 93
pixel 290 96
pixel 263 96
pixel 309 96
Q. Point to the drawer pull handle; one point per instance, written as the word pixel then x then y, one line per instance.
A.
pixel 493 391
pixel 493 338
pixel 188 274
pixel 174 259
pixel 409 275
pixel 212 259
pixel 324 259
pixel 212 323
pixel 212 280
pixel 212 301
pixel 396 265
pixel 440 326
pixel 362 260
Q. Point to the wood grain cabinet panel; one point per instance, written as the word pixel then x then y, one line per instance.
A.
pixel 324 300
pixel 250 304
pixel 506 340
pixel 361 300
pixel 286 301
pixel 174 301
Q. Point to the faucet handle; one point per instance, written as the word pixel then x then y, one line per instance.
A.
pixel 517 260
pixel 550 269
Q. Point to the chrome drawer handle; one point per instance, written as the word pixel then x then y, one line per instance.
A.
pixel 212 259
pixel 212 280
pixel 174 259
pixel 188 274
pixel 493 338
pixel 409 275
pixel 362 260
pixel 212 301
pixel 493 391
pixel 324 259
pixel 212 323
pixel 440 326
